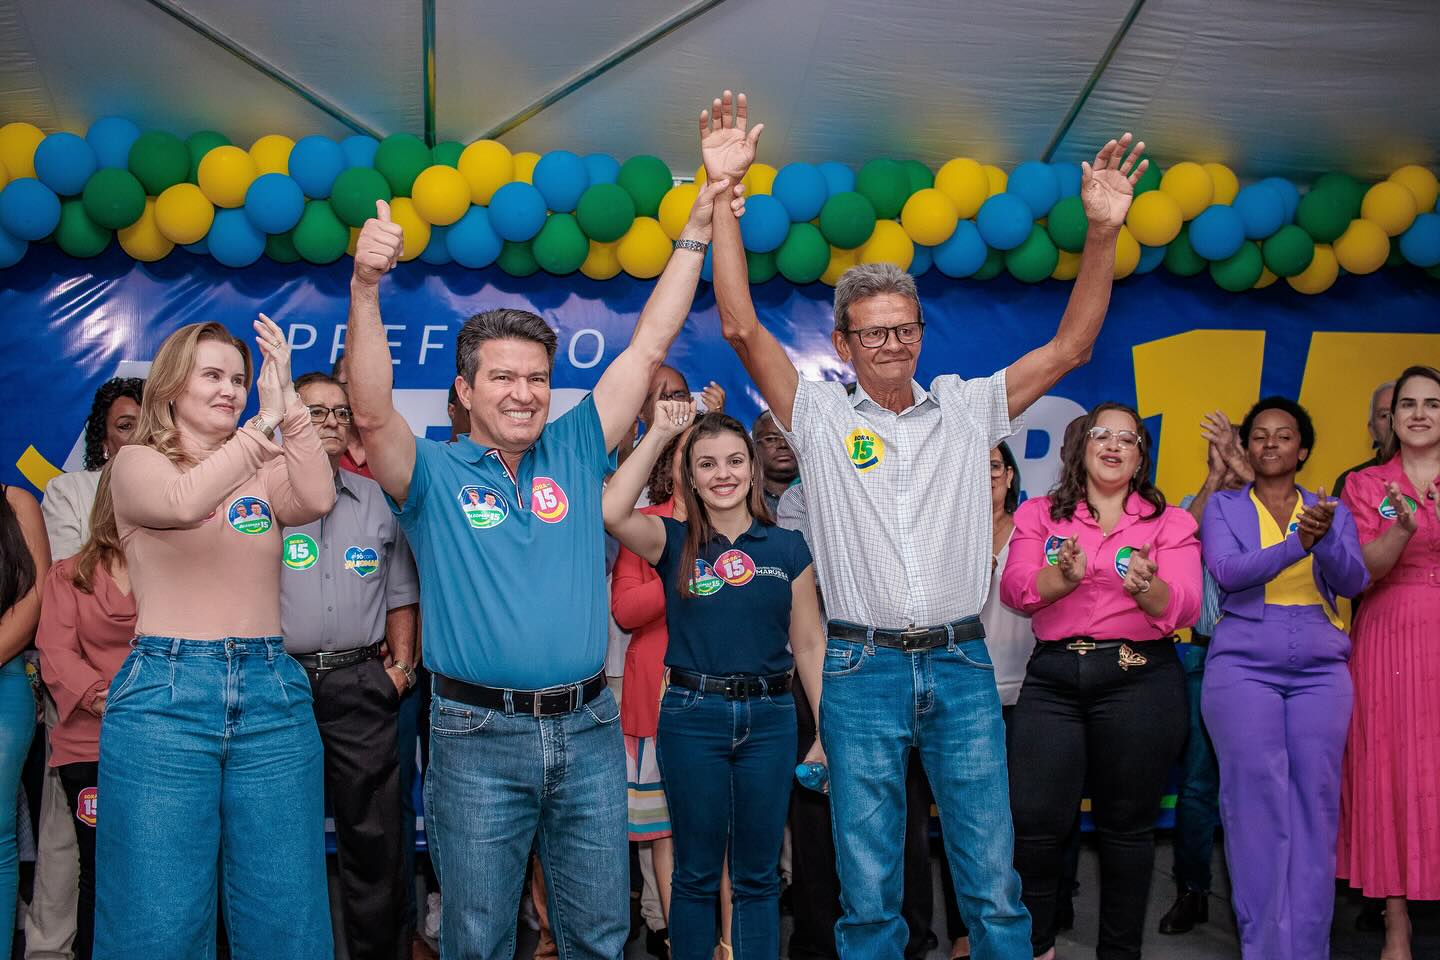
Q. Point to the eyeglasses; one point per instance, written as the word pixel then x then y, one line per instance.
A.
pixel 1126 438
pixel 997 468
pixel 874 337
pixel 674 395
pixel 318 413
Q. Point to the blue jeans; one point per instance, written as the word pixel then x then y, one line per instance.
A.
pixel 1197 809
pixel 209 756
pixel 880 704
pixel 495 779
pixel 17 726
pixel 728 767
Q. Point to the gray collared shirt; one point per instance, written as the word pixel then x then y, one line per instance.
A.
pixel 340 575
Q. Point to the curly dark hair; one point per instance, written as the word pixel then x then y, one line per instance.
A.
pixel 1071 489
pixel 110 391
pixel 1285 405
pixel 661 485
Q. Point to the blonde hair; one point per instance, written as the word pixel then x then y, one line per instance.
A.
pixel 104 547
pixel 169 374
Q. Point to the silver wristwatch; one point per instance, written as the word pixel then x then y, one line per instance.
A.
pixel 407 670
pixel 696 245
pixel 258 422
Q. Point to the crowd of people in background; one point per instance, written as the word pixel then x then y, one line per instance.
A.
pixel 233 624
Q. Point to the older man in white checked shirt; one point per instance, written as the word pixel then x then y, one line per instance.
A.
pixel 896 479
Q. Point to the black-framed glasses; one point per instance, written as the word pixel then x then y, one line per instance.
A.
pixel 873 337
pixel 677 395
pixel 318 413
pixel 1126 438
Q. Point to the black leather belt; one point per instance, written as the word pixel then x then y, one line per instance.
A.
pixel 549 702
pixel 914 638
pixel 734 688
pixel 1086 644
pixel 320 662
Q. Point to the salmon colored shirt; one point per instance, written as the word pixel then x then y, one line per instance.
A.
pixel 1099 607
pixel 637 602
pixel 203 542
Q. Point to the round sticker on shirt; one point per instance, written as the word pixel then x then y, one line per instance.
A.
pixel 87 806
pixel 299 552
pixel 1052 550
pixel 483 507
pixel 547 500
pixel 249 515
pixel 1387 509
pixel 705 582
pixel 362 561
pixel 1294 525
pixel 1122 561
pixel 864 448
pixel 735 567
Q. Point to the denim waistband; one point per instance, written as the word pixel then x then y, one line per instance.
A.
pixel 228 647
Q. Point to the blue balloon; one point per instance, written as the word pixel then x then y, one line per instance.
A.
pixel 12 250
pixel 838 177
pixel 437 251
pixel 602 168
pixel 1421 243
pixel 1289 195
pixel 111 138
pixel 962 254
pixel 1150 258
pixel 1004 221
pixel 707 268
pixel 1261 208
pixel 765 224
pixel 924 260
pixel 234 240
pixel 1036 184
pixel 29 210
pixel 517 212
pixel 359 150
pixel 315 162
pixel 802 189
pixel 1217 233
pixel 63 162
pixel 274 203
pixel 472 241
pixel 561 177
pixel 1068 175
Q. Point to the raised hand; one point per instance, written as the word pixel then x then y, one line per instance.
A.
pixel 1316 518
pixel 1405 517
pixel 713 396
pixel 378 247
pixel 1108 185
pixel 1072 560
pixel 1216 428
pixel 726 146
pixel 671 417
pixel 1140 572
pixel 273 385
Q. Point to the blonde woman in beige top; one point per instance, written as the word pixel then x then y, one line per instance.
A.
pixel 208 746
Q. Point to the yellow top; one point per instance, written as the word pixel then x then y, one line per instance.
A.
pixel 1295 585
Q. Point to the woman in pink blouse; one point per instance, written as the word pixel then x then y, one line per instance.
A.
pixel 1107 573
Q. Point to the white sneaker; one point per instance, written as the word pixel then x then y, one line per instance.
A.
pixel 431 931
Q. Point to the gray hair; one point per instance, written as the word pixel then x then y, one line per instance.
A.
pixel 872 280
pixel 505 323
pixel 1375 397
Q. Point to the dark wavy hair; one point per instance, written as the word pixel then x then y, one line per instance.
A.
pixel 1072 489
pixel 17 566
pixel 661 485
pixel 1284 405
pixel 1392 445
pixel 110 391
pixel 698 529
pixel 1012 492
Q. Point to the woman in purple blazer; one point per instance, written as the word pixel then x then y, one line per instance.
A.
pixel 1277 693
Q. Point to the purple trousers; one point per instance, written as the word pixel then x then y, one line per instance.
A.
pixel 1276 699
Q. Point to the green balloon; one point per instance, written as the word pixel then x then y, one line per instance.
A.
pixel 518 259
pixel 1395 258
pixel 1324 214
pixel 447 152
pixel 159 160
pixel 1343 185
pixel 77 234
pixel 760 266
pixel 647 180
pixel 1035 259
pixel 197 145
pixel 354 194
pixel 320 236
pixel 1239 272
pixel 605 212
pixel 994 263
pixel 280 247
pixel 1181 258
pixel 1149 180
pixel 886 185
pixel 804 255
pixel 1288 251
pixel 560 246
pixel 1067 224
pixel 921 176
pixel 400 158
pixel 847 220
pixel 1433 272
pixel 113 198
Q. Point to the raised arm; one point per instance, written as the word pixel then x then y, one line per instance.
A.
pixel 641 533
pixel 1106 188
pixel 17 626
pixel 388 440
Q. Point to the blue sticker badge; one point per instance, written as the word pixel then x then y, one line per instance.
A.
pixel 484 507
pixel 1052 549
pixel 362 561
pixel 1122 560
pixel 249 515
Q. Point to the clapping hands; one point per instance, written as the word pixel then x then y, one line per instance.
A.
pixel 1140 572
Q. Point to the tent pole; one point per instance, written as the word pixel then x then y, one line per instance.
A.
pixel 427 14
pixel 1074 112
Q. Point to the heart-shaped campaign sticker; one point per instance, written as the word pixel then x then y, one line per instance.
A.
pixel 362 561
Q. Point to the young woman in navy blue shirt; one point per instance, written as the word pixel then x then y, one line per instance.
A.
pixel 726 738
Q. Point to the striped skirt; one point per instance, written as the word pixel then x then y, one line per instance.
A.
pixel 649 814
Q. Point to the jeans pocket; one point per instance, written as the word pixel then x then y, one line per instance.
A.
pixel 678 699
pixel 603 709
pixel 293 680
pixel 125 678
pixel 842 658
pixel 974 653
pixel 449 719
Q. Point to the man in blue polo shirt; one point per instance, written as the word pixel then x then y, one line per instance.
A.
pixel 506 529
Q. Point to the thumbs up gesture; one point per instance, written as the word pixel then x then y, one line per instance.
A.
pixel 378 247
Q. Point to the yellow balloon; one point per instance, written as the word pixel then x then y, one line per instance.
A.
pixel 487 166
pixel 929 217
pixel 1362 248
pixel 1266 278
pixel 354 236
pixel 271 153
pixel 1068 266
pixel 225 174
pixel 1155 218
pixel 1421 182
pixel 889 243
pixel 1227 185
pixel 1127 253
pixel 645 248
pixel 183 213
pixel 965 182
pixel 4 176
pixel 1190 186
pixel 414 227
pixel 143 239
pixel 17 148
pixel 675 208
pixel 700 177
pixel 759 179
pixel 1321 273
pixel 603 260
pixel 441 195
pixel 525 166
pixel 996 178
pixel 840 261
pixel 1391 205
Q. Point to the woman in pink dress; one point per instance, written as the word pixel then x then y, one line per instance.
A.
pixel 1390 796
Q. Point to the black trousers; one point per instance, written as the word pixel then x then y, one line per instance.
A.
pixel 356 709
pixel 78 778
pixel 815 887
pixel 1086 719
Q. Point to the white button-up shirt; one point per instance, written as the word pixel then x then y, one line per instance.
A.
pixel 899 504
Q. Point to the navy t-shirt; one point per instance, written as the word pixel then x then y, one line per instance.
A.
pixel 737 619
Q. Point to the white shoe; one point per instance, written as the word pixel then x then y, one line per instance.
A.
pixel 431 931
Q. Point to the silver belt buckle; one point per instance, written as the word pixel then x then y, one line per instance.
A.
pixel 911 636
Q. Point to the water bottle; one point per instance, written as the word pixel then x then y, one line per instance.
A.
pixel 813 776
